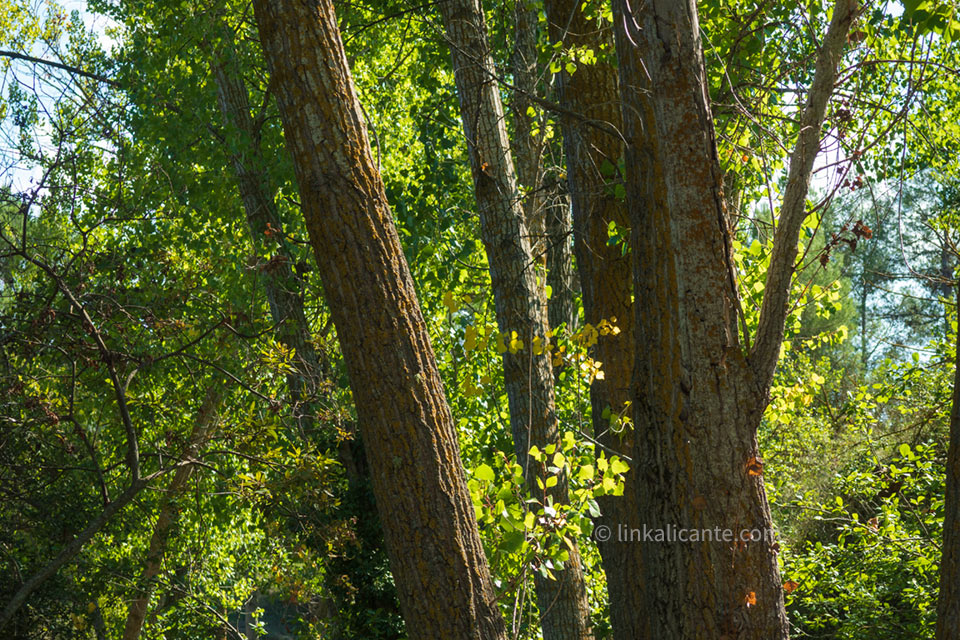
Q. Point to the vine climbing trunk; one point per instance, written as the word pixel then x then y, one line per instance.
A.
pixel 520 303
pixel 437 560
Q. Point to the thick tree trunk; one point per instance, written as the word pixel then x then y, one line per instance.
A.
pixel 592 156
pixel 699 400
pixel 948 604
pixel 520 303
pixel 202 429
pixel 438 563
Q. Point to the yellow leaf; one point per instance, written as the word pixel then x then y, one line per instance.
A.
pixel 450 303
pixel 537 345
pixel 470 338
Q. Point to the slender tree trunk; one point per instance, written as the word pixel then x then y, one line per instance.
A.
pixel 561 309
pixel 202 429
pixel 544 208
pixel 699 399
pixel 282 288
pixel 281 284
pixel 592 156
pixel 75 546
pixel 520 303
pixel 528 148
pixel 948 604
pixel 438 563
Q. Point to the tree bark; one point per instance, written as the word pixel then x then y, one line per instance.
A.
pixel 438 564
pixel 948 602
pixel 698 398
pixel 605 280
pixel 561 279
pixel 281 285
pixel 520 303
pixel 202 430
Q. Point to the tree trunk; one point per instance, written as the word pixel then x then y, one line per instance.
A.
pixel 438 563
pixel 592 156
pixel 544 208
pixel 281 285
pixel 202 429
pixel 948 604
pixel 699 399
pixel 520 303
pixel 282 289
pixel 528 148
pixel 561 309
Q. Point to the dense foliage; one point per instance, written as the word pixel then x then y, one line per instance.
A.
pixel 136 337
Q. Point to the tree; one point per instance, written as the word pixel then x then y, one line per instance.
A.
pixel 948 602
pixel 546 210
pixel 205 423
pixel 438 563
pixel 520 306
pixel 699 393
pixel 593 148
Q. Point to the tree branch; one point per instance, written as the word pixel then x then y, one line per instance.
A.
pixel 59 65
pixel 776 297
pixel 72 549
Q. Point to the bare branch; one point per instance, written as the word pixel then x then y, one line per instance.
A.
pixel 13 55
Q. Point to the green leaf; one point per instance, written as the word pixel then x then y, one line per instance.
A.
pixel 484 472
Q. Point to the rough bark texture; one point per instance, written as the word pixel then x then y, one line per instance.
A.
pixel 561 309
pixel 948 603
pixel 697 405
pixel 520 303
pixel 203 427
pixel 605 280
pixel 698 399
pixel 438 564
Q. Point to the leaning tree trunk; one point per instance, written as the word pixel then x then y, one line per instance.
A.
pixel 593 151
pixel 443 581
pixel 166 518
pixel 520 304
pixel 306 381
pixel 280 283
pixel 948 604
pixel 698 398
